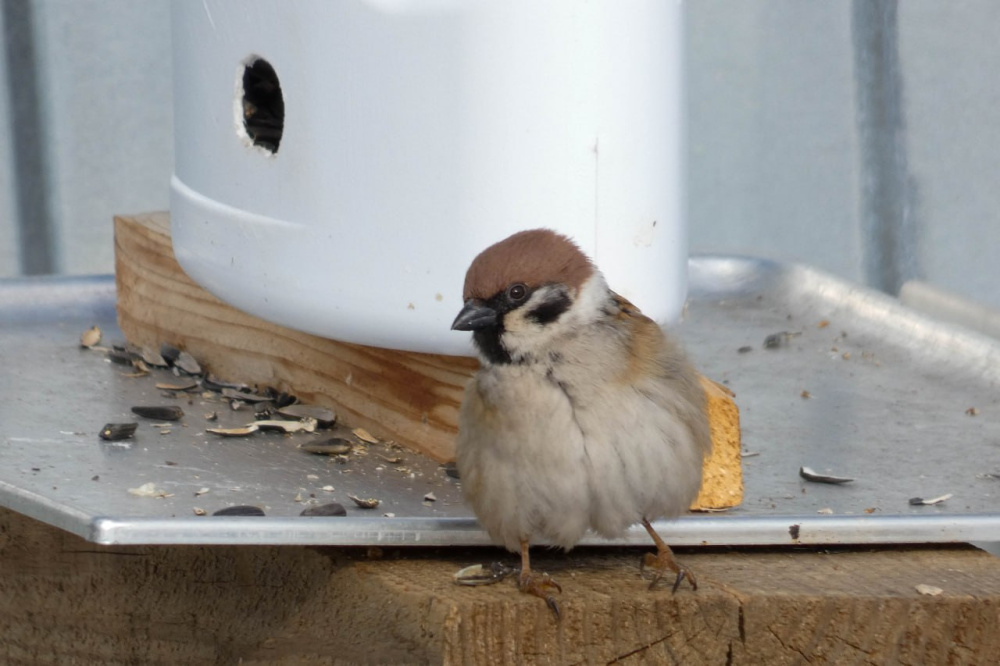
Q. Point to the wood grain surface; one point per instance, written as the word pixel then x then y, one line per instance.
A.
pixel 64 600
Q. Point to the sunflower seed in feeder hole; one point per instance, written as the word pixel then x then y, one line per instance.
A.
pixel 331 509
pixel 325 418
pixel 172 413
pixel 234 432
pixel 430 497
pixel 187 363
pixel 90 337
pixel 305 425
pixel 365 502
pixel 240 510
pixel 451 469
pixel 328 447
pixel 364 435
pixel 113 432
pixel 183 385
pixel 809 474
pixel 917 501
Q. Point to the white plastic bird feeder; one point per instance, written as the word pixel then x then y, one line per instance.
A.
pixel 338 165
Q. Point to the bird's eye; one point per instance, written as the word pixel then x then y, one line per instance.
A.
pixel 517 292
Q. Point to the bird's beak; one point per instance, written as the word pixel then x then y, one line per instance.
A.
pixel 474 315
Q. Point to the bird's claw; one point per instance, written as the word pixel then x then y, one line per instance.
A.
pixel 541 586
pixel 661 563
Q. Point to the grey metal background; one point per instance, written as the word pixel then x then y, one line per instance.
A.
pixel 859 137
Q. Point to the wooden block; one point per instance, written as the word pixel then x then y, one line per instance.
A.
pixel 63 600
pixel 407 397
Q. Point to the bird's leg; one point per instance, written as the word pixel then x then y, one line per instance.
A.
pixel 663 560
pixel 538 584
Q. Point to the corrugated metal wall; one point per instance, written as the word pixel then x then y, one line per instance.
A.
pixel 860 137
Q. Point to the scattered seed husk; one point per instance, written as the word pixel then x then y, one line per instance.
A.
pixel 153 357
pixel 212 416
pixel 234 432
pixel 972 411
pixel 202 491
pixel 113 432
pixel 806 395
pixel 917 501
pixel 823 323
pixel 160 413
pixel 328 489
pixel 285 399
pixel 244 396
pixel 187 363
pixel 451 469
pixel 328 447
pixel 365 502
pixel 325 418
pixel 262 411
pixel 826 511
pixel 708 509
pixel 305 425
pixel 809 474
pixel 929 590
pixel 90 337
pixel 749 454
pixel 392 460
pixel 198 511
pixel 240 510
pixel 213 383
pixel 430 497
pixel 364 435
pixel 182 385
pixel 477 574
pixel 121 357
pixel 745 349
pixel 780 339
pixel 169 352
pixel 148 490
pixel 331 509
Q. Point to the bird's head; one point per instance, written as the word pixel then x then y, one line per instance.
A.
pixel 526 291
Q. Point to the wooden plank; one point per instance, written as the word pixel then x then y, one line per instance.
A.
pixel 64 600
pixel 407 397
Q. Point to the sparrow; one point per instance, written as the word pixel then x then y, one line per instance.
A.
pixel 583 414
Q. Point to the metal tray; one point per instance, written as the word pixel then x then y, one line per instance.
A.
pixel 889 388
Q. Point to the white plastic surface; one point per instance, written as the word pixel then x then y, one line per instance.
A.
pixel 416 134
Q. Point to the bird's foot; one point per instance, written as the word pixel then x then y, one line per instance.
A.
pixel 662 562
pixel 542 586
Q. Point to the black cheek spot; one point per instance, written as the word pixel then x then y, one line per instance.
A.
pixel 487 340
pixel 550 310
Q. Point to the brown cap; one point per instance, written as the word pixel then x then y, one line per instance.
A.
pixel 534 257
